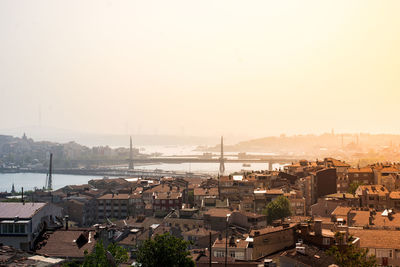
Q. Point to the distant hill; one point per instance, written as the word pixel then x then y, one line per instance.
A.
pixel 112 140
pixel 344 146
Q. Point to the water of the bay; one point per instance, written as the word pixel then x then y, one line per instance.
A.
pixel 31 180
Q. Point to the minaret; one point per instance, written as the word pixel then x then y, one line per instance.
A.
pixel 221 159
pixel 13 189
pixel 130 155
pixel 49 180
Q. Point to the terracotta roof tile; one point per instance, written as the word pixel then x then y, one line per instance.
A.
pixel 238 243
pixel 115 196
pixel 63 244
pixel 218 212
pixel 377 238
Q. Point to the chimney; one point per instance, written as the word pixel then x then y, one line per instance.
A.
pixel 66 222
pixel 232 241
pixel 370 220
pixel 304 229
pixel 318 227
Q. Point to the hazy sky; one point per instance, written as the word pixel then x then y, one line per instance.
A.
pixel 250 68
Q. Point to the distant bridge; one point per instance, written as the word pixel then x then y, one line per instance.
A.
pixel 215 159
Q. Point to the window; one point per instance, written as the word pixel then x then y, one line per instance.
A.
pixel 326 241
pixel 171 201
pixel 19 228
pixel 232 254
pixel 384 253
pixel 219 254
pixel 11 228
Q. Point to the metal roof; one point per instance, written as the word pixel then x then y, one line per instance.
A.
pixel 12 210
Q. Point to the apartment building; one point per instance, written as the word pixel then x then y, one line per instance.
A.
pixel 113 206
pixel 373 196
pixel 21 223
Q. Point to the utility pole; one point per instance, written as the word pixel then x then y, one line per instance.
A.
pixel 226 240
pixel 210 251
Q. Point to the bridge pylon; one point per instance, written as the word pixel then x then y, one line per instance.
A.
pixel 221 159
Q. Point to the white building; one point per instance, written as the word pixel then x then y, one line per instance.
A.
pixel 21 223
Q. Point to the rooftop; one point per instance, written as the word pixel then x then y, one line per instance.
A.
pixel 218 212
pixel 232 242
pixel 115 196
pixel 374 189
pixel 12 210
pixel 70 243
pixel 341 211
pixel 395 195
pixel 269 229
pixel 360 170
pixel 377 238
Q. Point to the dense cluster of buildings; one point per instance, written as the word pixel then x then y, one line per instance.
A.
pixel 224 214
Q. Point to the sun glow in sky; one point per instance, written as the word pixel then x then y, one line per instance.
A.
pixel 249 68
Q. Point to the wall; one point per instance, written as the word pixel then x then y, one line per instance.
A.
pixel 272 242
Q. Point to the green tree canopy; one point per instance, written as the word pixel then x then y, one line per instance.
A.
pixel 100 257
pixel 164 250
pixel 350 255
pixel 353 187
pixel 277 209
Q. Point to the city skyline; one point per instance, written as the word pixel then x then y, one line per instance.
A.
pixel 200 69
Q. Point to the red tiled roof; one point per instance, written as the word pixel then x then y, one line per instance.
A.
pixel 341 211
pixel 206 192
pixel 115 196
pixel 63 244
pixel 375 189
pixel 199 232
pixel 269 229
pixel 218 212
pixel 274 192
pixel 389 169
pixel 395 195
pixel 168 195
pixel 360 170
pixel 377 238
pixel 238 243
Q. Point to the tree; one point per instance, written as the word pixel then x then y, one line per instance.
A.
pixel 164 250
pixel 277 209
pixel 101 257
pixel 350 255
pixel 353 187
